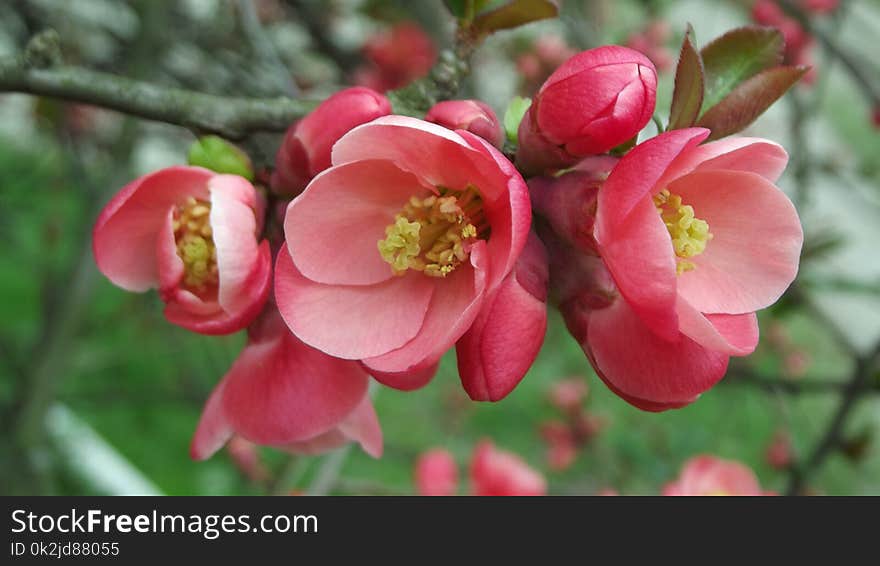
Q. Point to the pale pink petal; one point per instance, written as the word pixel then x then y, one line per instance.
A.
pixel 234 227
pixel 362 426
pixel 756 155
pixel 757 236
pixel 735 335
pixel 352 321
pixel 454 306
pixel 213 430
pixel 640 257
pixel 170 265
pixel 648 371
pixel 333 228
pixel 124 236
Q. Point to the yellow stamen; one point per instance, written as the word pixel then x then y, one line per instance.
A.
pixel 195 245
pixel 433 234
pixel 689 234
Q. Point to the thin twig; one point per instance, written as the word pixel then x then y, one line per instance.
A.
pixel 792 387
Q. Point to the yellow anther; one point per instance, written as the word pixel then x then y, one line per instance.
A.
pixel 689 234
pixel 195 245
pixel 433 234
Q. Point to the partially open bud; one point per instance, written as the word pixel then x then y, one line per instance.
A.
pixel 471 115
pixel 594 102
pixel 305 150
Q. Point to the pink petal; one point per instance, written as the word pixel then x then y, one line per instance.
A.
pixel 734 335
pixel 170 265
pixel 436 473
pixel 280 391
pixel 645 368
pixel 213 430
pixel 753 255
pixel 640 257
pixel 352 321
pixel 454 306
pixel 342 215
pixel 756 155
pixel 124 236
pixel 504 340
pixel 409 380
pixel 501 473
pixel 362 426
pixel 234 226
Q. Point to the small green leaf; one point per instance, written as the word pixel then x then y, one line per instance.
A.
pixel 687 98
pixel 514 115
pixel 217 154
pixel 736 56
pixel 458 8
pixel 749 100
pixel 514 14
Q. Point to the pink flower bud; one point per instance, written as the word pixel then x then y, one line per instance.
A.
pixel 779 451
pixel 498 472
pixel 397 57
pixel 471 115
pixel 708 475
pixel 504 340
pixel 594 102
pixel 305 150
pixel 194 235
pixel 436 473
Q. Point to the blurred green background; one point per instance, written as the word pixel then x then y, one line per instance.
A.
pixel 98 394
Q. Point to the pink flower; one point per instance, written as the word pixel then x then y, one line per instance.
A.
pixel 436 473
pixel 282 393
pixel 194 235
pixel 398 56
pixel 708 475
pixel 504 340
pixel 392 252
pixel 498 472
pixel 779 453
pixel 562 446
pixel 547 53
pixel 472 115
pixel 652 42
pixel 568 394
pixel 305 150
pixel 597 100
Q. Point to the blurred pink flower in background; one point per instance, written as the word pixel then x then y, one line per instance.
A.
pixel 594 102
pixel 798 41
pixel 568 394
pixel 472 115
pixel 779 454
pixel 708 475
pixel 652 40
pixel 392 252
pixel 282 393
pixel 396 57
pixel 193 234
pixel 246 458
pixel 305 150
pixel 436 473
pixel 499 472
pixel 544 56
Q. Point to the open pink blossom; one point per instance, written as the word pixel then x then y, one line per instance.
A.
pixel 282 393
pixel 708 475
pixel 436 473
pixel 594 102
pixel 193 234
pixel 499 472
pixel 471 115
pixel 305 149
pixel 504 340
pixel 392 251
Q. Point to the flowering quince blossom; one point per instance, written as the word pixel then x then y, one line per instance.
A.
pixel 392 252
pixel 397 57
pixel 436 473
pixel 499 472
pixel 305 149
pixel 472 115
pixel 689 241
pixel 193 234
pixel 708 475
pixel 282 393
pixel 595 101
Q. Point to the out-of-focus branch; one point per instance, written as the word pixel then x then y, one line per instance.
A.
pixel 831 440
pixel 38 72
pixel 791 387
pixel 309 14
pixel 265 52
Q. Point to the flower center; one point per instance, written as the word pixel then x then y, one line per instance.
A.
pixel 195 246
pixel 689 233
pixel 434 234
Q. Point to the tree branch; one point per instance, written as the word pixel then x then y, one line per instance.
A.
pixel 37 72
pixel 316 24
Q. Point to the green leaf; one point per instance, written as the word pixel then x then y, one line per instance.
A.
pixel 749 100
pixel 687 98
pixel 514 14
pixel 460 8
pixel 514 115
pixel 735 57
pixel 217 154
